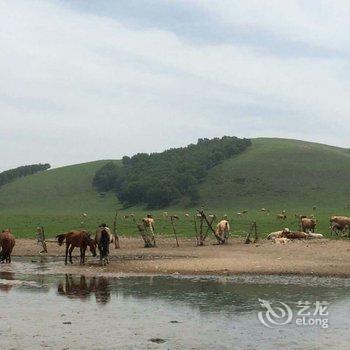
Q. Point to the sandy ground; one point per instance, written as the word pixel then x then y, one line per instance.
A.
pixel 315 257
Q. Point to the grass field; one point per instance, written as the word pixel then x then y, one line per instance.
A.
pixel 273 173
pixel 23 225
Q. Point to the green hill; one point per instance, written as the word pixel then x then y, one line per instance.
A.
pixel 66 189
pixel 271 173
pixel 280 173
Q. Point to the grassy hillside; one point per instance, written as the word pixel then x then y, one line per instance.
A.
pixel 62 190
pixel 273 173
pixel 279 173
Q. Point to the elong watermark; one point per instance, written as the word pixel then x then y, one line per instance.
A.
pixel 312 314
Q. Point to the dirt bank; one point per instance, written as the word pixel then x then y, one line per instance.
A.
pixel 317 257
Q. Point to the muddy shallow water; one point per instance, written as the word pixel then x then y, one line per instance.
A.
pixel 40 309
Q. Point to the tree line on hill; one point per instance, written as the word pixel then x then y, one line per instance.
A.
pixel 12 174
pixel 160 179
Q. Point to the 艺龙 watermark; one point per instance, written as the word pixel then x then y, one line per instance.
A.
pixel 280 314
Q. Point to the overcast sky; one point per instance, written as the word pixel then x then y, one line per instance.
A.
pixel 85 80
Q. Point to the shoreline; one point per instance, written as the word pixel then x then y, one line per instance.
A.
pixel 314 258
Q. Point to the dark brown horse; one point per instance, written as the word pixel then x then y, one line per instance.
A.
pixel 7 242
pixel 80 239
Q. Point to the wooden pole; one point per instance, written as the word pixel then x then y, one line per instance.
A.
pixel 219 239
pixel 255 232
pixel 208 228
pixel 41 238
pixel 196 229
pixel 201 240
pixel 115 234
pixel 173 225
pixel 253 228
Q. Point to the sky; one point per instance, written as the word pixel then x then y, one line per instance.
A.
pixel 99 79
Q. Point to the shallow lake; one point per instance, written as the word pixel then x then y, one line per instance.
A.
pixel 39 309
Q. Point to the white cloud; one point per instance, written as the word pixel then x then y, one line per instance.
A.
pixel 76 86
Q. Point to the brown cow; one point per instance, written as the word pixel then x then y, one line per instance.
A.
pixel 7 242
pixel 308 225
pixel 340 223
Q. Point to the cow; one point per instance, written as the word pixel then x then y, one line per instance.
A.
pixel 308 225
pixel 281 216
pixel 223 230
pixel 339 223
pixel 287 233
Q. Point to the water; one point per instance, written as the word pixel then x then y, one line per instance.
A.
pixel 39 309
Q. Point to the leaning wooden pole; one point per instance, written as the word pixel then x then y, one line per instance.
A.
pixel 255 232
pixel 208 228
pixel 219 239
pixel 253 229
pixel 173 225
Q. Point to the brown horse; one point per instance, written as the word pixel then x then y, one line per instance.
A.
pixel 7 242
pixel 80 239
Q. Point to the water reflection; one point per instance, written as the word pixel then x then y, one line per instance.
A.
pixel 8 276
pixel 201 295
pixel 81 287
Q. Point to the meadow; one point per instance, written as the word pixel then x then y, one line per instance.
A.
pixel 277 174
pixel 24 225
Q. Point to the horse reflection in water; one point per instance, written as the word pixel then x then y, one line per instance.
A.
pixel 83 287
pixel 8 276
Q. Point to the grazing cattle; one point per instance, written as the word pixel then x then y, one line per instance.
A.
pixel 7 242
pixel 281 216
pixel 287 233
pixel 263 209
pixel 165 214
pixel 308 225
pixel 80 239
pixel 294 234
pixel 187 215
pixel 340 223
pixel 337 228
pixel 223 230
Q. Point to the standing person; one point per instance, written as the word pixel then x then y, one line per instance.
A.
pixel 40 236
